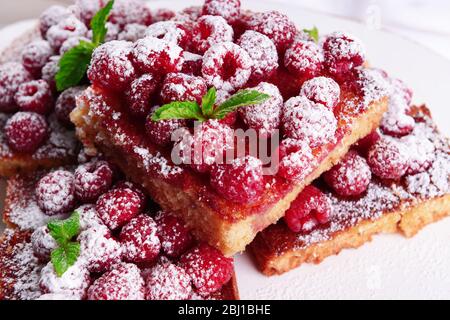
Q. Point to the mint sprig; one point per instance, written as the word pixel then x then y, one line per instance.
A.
pixel 208 110
pixel 75 62
pixel 313 33
pixel 68 251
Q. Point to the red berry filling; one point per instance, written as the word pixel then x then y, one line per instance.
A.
pixel 175 237
pixel 241 181
pixel 308 121
pixel 226 66
pixel 111 67
pixel 182 87
pixel 153 55
pixel 210 30
pixel 12 75
pixel 124 282
pixel 92 180
pixel 304 59
pixel 309 209
pixel 350 177
pixel 55 192
pixel 34 96
pixel 322 90
pixel 118 206
pixel 230 10
pixel 386 160
pixel 26 131
pixel 139 240
pixel 208 268
pixel 139 95
pixel 263 53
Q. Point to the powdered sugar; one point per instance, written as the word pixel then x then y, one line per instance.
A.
pixel 170 31
pixel 322 90
pixel 210 30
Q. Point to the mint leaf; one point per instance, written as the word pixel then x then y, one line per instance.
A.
pixel 73 65
pixel 208 101
pixel 64 257
pixel 98 24
pixel 64 230
pixel 313 33
pixel 240 99
pixel 179 110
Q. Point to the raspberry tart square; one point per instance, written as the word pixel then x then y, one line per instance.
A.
pixel 385 184
pixel 322 103
pixel 150 253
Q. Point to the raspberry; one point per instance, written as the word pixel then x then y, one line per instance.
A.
pixel 364 144
pixel 71 43
pixel 34 96
pixel 43 244
pixel 74 281
pixel 99 249
pixel 304 59
pixel 241 181
pixel 52 16
pixel 139 95
pixel 160 132
pixel 88 9
pixel 386 160
pixel 136 188
pixel 226 66
pixel 167 281
pixel 310 208
pixel 65 103
pixel 88 217
pixel 113 31
pixel 230 10
pixel 371 84
pixel 396 122
pixel 264 117
pixel 124 282
pixel 111 67
pixel 35 55
pixel 139 240
pixel 421 153
pixel 400 88
pixel 182 87
pixel 210 142
pixel 208 268
pixel 287 83
pixel 274 25
pixel 55 192
pixel 309 121
pixel 65 29
pixel 350 177
pixel 118 206
pixel 296 159
pixel 162 14
pixel 130 11
pixel 92 180
pixel 50 70
pixel 154 55
pixel 192 64
pixel 342 53
pixel 132 32
pixel 322 90
pixel 210 30
pixel 175 237
pixel 170 31
pixel 12 75
pixel 263 53
pixel 26 131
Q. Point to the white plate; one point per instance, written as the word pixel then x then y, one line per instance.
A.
pixel 390 266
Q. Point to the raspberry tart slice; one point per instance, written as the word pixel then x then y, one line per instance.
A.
pixel 318 97
pixel 385 184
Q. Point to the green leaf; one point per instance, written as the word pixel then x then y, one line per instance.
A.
pixel 73 65
pixel 98 24
pixel 313 33
pixel 241 99
pixel 64 230
pixel 64 257
pixel 208 101
pixel 179 110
